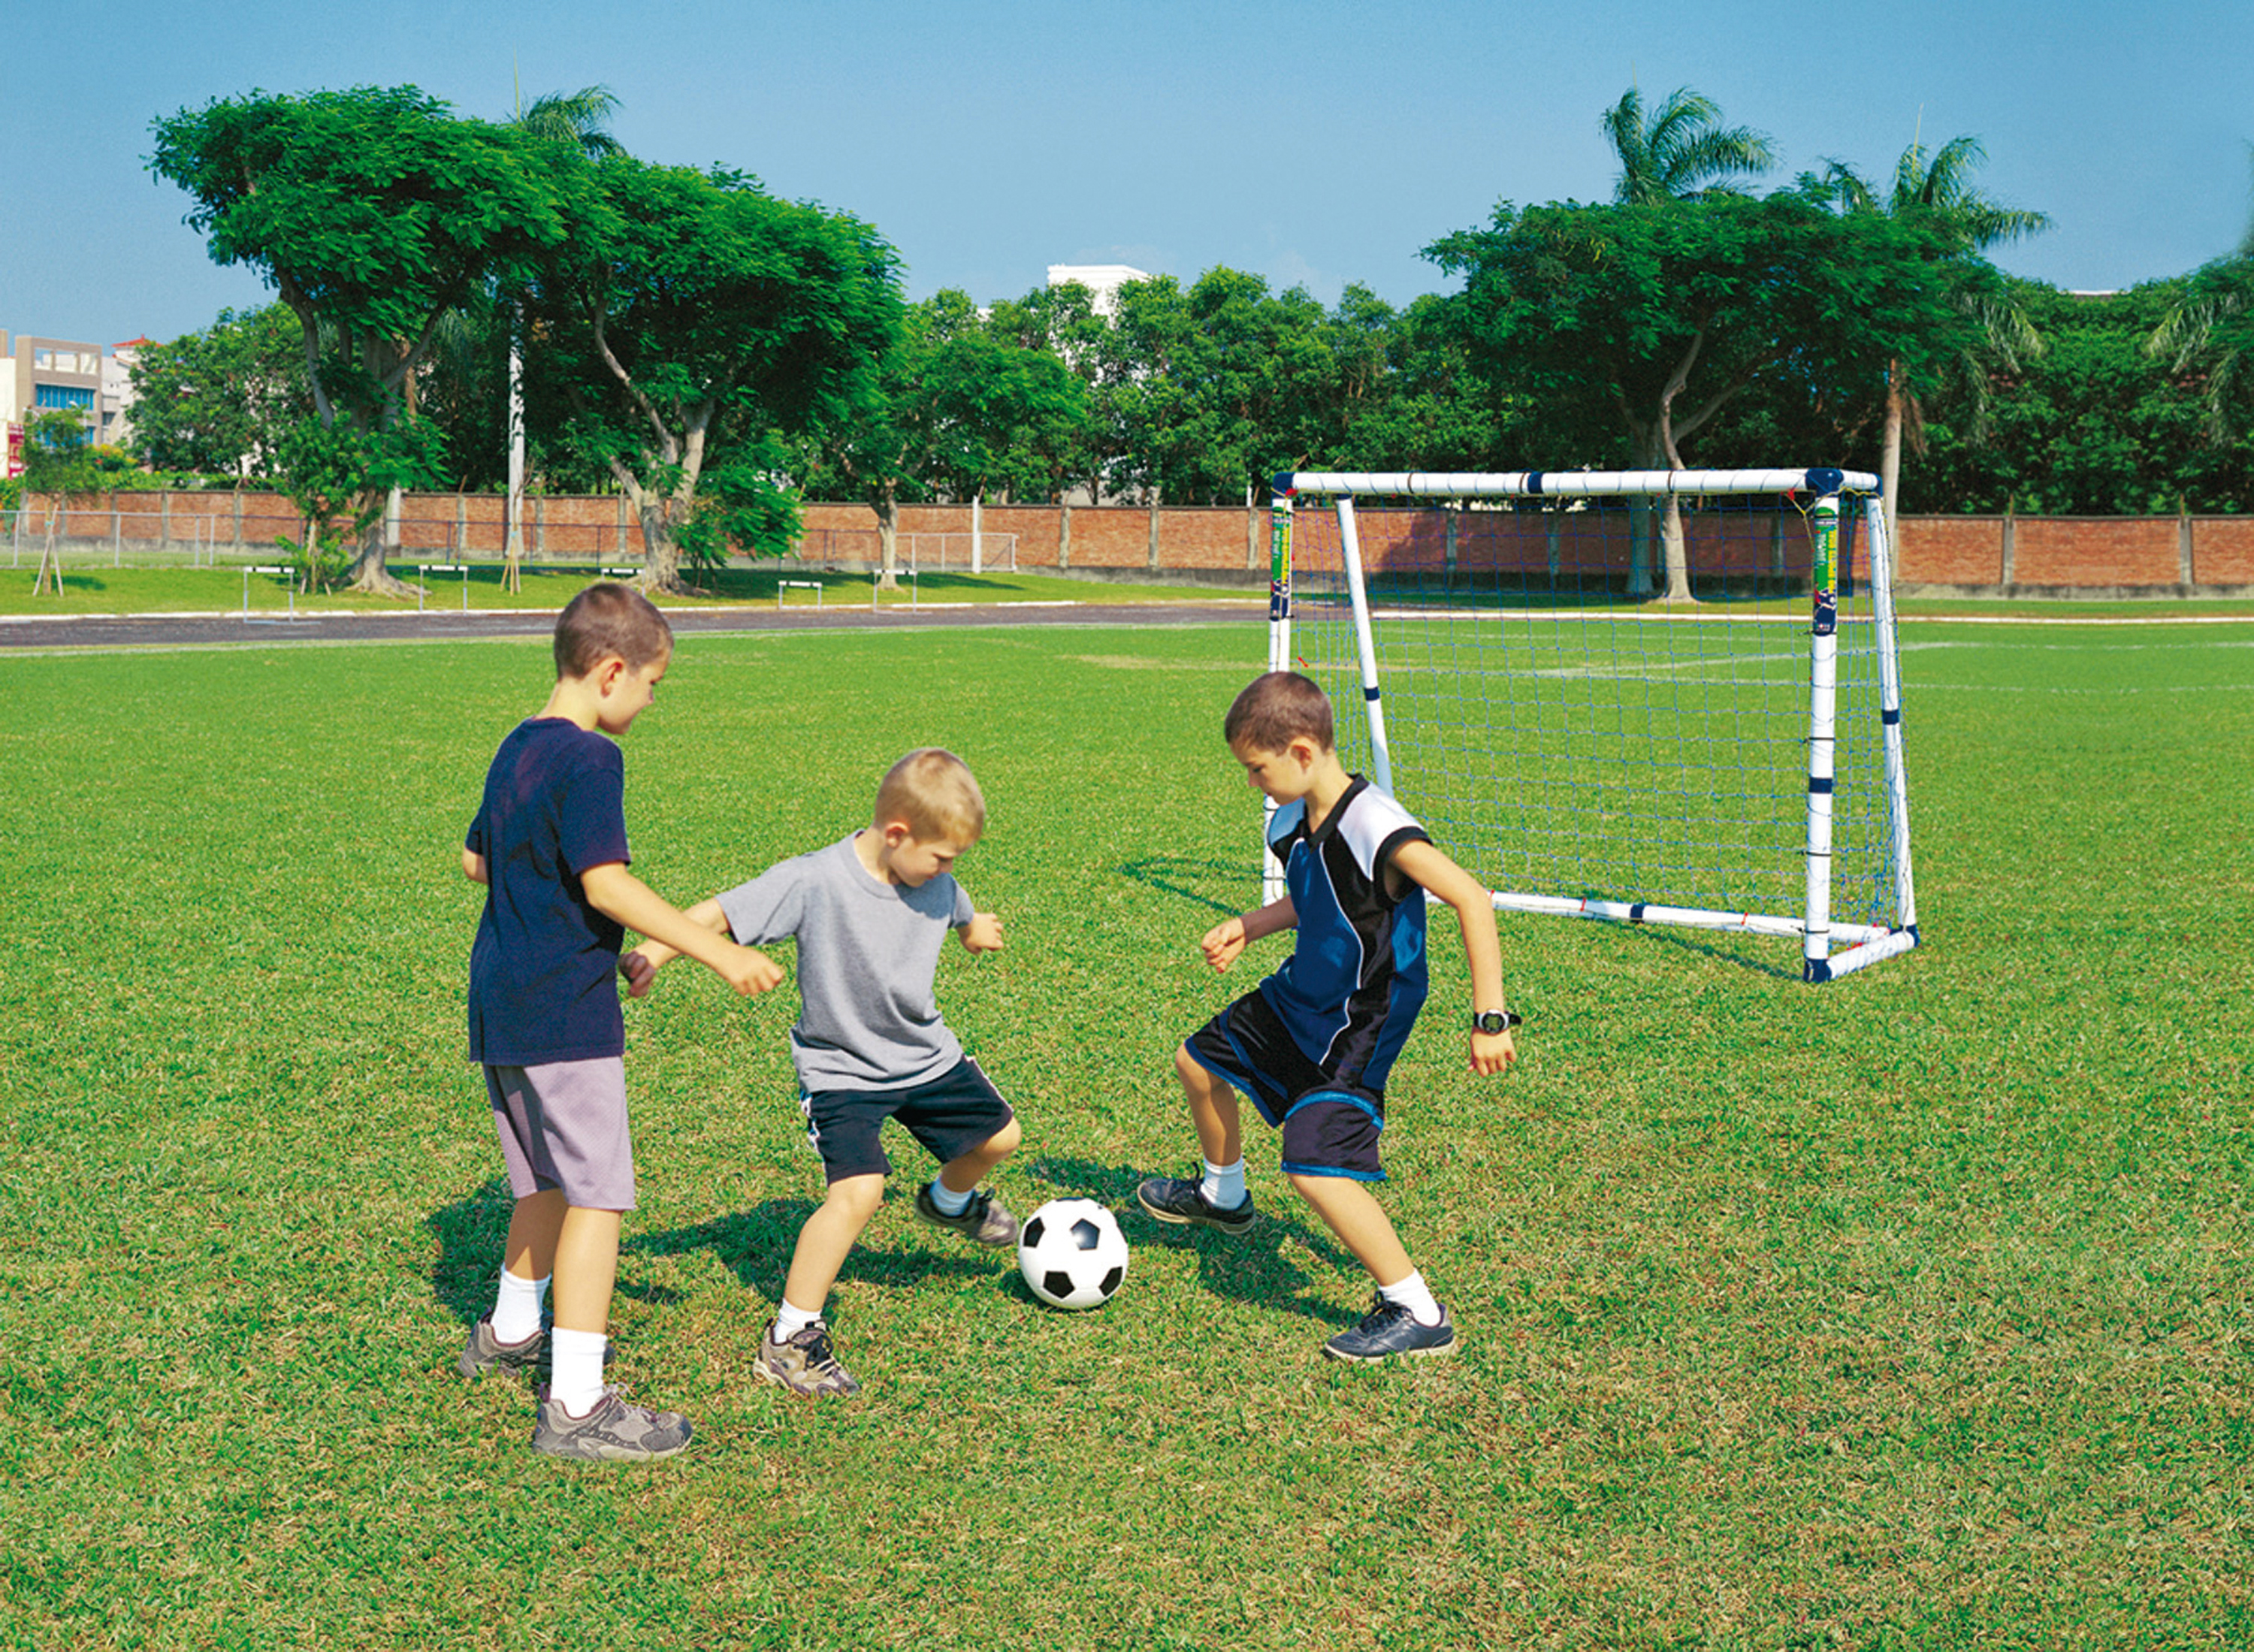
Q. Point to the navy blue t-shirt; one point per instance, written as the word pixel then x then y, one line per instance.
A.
pixel 544 970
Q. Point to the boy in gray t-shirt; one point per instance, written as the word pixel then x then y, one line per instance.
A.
pixel 869 914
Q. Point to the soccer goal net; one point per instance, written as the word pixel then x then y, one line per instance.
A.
pixel 1666 696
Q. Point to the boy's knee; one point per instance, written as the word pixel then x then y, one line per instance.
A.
pixel 857 1196
pixel 1003 1142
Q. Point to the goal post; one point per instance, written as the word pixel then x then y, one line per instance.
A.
pixel 1643 697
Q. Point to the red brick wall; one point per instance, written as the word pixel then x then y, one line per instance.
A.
pixel 1110 538
pixel 2093 550
pixel 2222 550
pixel 1950 551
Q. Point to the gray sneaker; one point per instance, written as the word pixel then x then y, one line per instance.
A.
pixel 485 1352
pixel 804 1363
pixel 983 1219
pixel 615 1431
pixel 1180 1199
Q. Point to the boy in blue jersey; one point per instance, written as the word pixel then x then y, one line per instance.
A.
pixel 549 844
pixel 1312 1045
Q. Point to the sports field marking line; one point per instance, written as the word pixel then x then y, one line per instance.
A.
pixel 1536 616
pixel 310 615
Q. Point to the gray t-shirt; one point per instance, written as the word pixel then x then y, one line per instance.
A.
pixel 867 951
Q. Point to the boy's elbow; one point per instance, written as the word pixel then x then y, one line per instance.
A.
pixel 473 866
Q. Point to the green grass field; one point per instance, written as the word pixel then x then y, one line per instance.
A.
pixel 96 588
pixel 1906 1312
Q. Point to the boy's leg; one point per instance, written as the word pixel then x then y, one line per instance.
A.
pixel 1349 1210
pixel 794 1352
pixel 1405 1319
pixel 1206 1203
pixel 508 1337
pixel 963 1174
pixel 828 1238
pixel 954 1201
pixel 1214 1110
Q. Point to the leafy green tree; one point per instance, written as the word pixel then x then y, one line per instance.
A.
pixel 956 409
pixel 2097 424
pixel 1656 319
pixel 58 458
pixel 375 213
pixel 696 323
pixel 1680 151
pixel 218 401
pixel 1936 190
pixel 1200 385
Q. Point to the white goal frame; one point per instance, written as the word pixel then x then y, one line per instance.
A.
pixel 1830 949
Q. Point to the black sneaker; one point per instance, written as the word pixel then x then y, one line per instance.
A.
pixel 1389 1330
pixel 615 1431
pixel 1177 1199
pixel 485 1352
pixel 983 1219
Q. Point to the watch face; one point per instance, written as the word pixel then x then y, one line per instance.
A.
pixel 1491 1021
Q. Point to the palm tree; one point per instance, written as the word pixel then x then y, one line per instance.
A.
pixel 1937 191
pixel 2209 332
pixel 580 119
pixel 1682 151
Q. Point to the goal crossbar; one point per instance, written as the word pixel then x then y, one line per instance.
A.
pixel 1543 681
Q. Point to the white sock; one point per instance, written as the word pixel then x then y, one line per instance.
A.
pixel 578 1383
pixel 516 1307
pixel 950 1203
pixel 789 1322
pixel 1415 1295
pixel 1223 1185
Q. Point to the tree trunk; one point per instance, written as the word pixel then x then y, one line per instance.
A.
pixel 888 539
pixel 368 575
pixel 1890 452
pixel 661 551
pixel 1677 553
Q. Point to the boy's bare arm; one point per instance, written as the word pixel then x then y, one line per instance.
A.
pixel 1225 939
pixel 620 895
pixel 473 867
pixel 1424 865
pixel 641 963
pixel 983 932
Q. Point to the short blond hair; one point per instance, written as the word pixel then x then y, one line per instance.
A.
pixel 933 792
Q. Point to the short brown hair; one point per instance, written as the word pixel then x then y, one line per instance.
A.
pixel 1275 709
pixel 607 619
pixel 932 791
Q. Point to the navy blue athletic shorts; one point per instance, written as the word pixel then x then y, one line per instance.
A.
pixel 950 1114
pixel 1329 1128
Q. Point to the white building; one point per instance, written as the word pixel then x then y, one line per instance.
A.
pixel 1103 282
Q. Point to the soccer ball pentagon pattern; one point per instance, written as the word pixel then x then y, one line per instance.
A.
pixel 1072 1254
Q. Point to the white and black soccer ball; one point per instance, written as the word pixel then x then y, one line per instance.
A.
pixel 1072 1254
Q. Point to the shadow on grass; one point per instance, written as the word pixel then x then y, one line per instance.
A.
pixel 1723 951
pixel 472 1233
pixel 756 1244
pixel 1256 1267
pixel 1176 875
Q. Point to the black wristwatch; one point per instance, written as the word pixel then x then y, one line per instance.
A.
pixel 1493 1021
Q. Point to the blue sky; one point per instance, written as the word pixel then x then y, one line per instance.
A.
pixel 1315 144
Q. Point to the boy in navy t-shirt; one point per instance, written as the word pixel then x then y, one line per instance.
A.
pixel 549 844
pixel 1313 1046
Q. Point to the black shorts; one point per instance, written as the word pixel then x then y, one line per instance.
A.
pixel 1329 1128
pixel 950 1114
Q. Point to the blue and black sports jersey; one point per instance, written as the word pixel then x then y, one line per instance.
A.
pixel 1351 989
